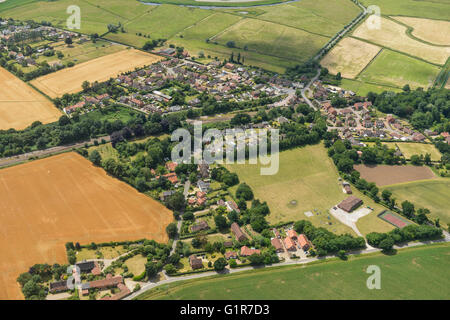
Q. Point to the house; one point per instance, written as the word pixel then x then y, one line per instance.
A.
pixel 171 166
pixel 58 286
pixel 229 66
pixel 350 204
pixel 228 244
pixel 303 242
pixel 202 225
pixel 124 291
pixel 232 206
pixel 109 282
pixel 418 137
pixel 348 189
pixel 203 186
pixel 276 243
pixel 166 195
pixel 86 266
pixel 195 263
pixel 172 177
pixel 289 244
pixel 292 234
pixel 246 251
pixel 240 236
pixel 230 255
pixel 276 233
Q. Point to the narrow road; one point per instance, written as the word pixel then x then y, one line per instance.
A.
pixel 39 153
pixel 151 285
pixel 303 91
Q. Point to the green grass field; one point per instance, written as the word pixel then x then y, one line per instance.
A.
pixel 415 273
pixel 308 176
pixel 277 37
pixel 433 195
pixel 409 149
pixel 362 88
pixel 433 9
pixel 395 69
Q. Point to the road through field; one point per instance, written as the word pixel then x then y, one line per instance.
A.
pixel 48 202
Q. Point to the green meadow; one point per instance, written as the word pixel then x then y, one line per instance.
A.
pixel 414 273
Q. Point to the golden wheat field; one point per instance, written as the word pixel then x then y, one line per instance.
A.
pixel 48 202
pixel 69 80
pixel 21 105
pixel 434 31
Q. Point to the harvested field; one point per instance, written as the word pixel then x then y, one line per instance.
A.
pixel 434 31
pixel 69 80
pixel 393 35
pixel 21 105
pixel 384 175
pixel 45 203
pixel 349 57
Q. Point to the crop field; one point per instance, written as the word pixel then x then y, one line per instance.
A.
pixel 339 280
pixel 69 80
pixel 426 194
pixel 433 9
pixel 391 68
pixel 384 175
pixel 349 57
pixel 21 105
pixel 434 31
pixel 67 199
pixel 273 39
pixel 277 36
pixel 393 35
pixel 307 179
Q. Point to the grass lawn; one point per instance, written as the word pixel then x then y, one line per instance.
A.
pixel 395 69
pixel 416 273
pixel 107 253
pixel 136 265
pixel 111 113
pixel 409 149
pixel 433 195
pixel 308 176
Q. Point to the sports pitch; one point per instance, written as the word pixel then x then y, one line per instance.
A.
pixel 46 203
pixel 21 105
pixel 69 80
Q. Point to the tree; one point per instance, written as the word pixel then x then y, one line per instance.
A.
pixel 176 201
pixel 408 209
pixel 95 158
pixel 231 44
pixel 171 230
pixel 386 195
pixel 68 41
pixel 386 244
pixel 244 191
pixel 338 76
pixel 341 254
pixel 151 269
pixel 220 221
pixel 220 264
pixel 416 160
pixel 170 269
pixel 85 85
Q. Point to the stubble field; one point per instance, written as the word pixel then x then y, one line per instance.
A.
pixel 434 31
pixel 46 203
pixel 21 105
pixel 384 175
pixel 69 80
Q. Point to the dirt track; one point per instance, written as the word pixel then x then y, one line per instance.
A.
pixel 45 203
pixel 384 175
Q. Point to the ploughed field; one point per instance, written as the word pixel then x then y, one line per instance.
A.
pixel 384 175
pixel 46 203
pixel 21 105
pixel 70 80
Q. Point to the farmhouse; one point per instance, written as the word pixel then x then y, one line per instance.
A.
pixel 292 234
pixel 86 267
pixel 196 263
pixel 246 251
pixel 289 244
pixel 276 243
pixel 202 225
pixel 109 282
pixel 240 236
pixel 58 286
pixel 230 255
pixel 350 204
pixel 303 242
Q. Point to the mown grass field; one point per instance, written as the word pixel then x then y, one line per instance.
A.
pixel 362 88
pixel 409 149
pixel 395 69
pixel 415 273
pixel 433 195
pixel 278 36
pixel 308 176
